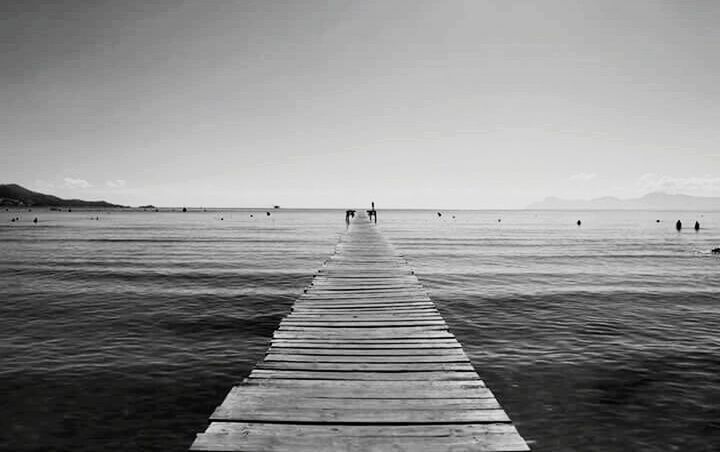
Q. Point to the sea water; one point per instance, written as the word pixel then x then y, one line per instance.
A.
pixel 124 330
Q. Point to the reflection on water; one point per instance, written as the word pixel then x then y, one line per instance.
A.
pixel 125 333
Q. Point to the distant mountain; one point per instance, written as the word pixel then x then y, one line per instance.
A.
pixel 652 201
pixel 15 195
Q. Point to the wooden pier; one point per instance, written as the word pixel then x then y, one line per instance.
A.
pixel 364 362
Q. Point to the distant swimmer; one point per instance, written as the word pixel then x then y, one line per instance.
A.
pixel 678 225
pixel 439 214
pixel 697 225
pixel 657 221
pixel 184 209
pixel 267 213
pixel 499 220
pixel 251 215
pixel 222 219
pixel 35 220
pixel 579 223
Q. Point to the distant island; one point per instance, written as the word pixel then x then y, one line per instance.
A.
pixel 652 201
pixel 13 195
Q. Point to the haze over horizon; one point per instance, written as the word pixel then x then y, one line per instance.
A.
pixel 331 104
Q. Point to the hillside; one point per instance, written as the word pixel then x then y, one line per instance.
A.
pixel 652 201
pixel 15 195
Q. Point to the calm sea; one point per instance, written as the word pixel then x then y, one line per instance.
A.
pixel 123 330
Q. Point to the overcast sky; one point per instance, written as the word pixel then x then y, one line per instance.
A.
pixel 460 104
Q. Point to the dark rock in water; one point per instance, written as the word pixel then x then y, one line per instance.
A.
pixel 716 251
pixel 678 225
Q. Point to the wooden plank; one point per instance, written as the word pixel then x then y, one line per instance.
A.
pixel 375 331
pixel 368 388
pixel 390 346
pixel 369 334
pixel 239 408
pixel 363 376
pixel 366 341
pixel 355 314
pixel 366 366
pixel 448 389
pixel 291 324
pixel 383 359
pixel 315 414
pixel 242 436
pixel 322 351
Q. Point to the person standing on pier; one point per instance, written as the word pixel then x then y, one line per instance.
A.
pixel 372 213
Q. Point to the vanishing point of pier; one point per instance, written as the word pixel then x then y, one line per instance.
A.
pixel 364 362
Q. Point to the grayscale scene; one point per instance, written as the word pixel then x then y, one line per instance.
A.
pixel 399 225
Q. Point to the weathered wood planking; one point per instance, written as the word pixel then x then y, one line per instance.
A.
pixel 363 362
